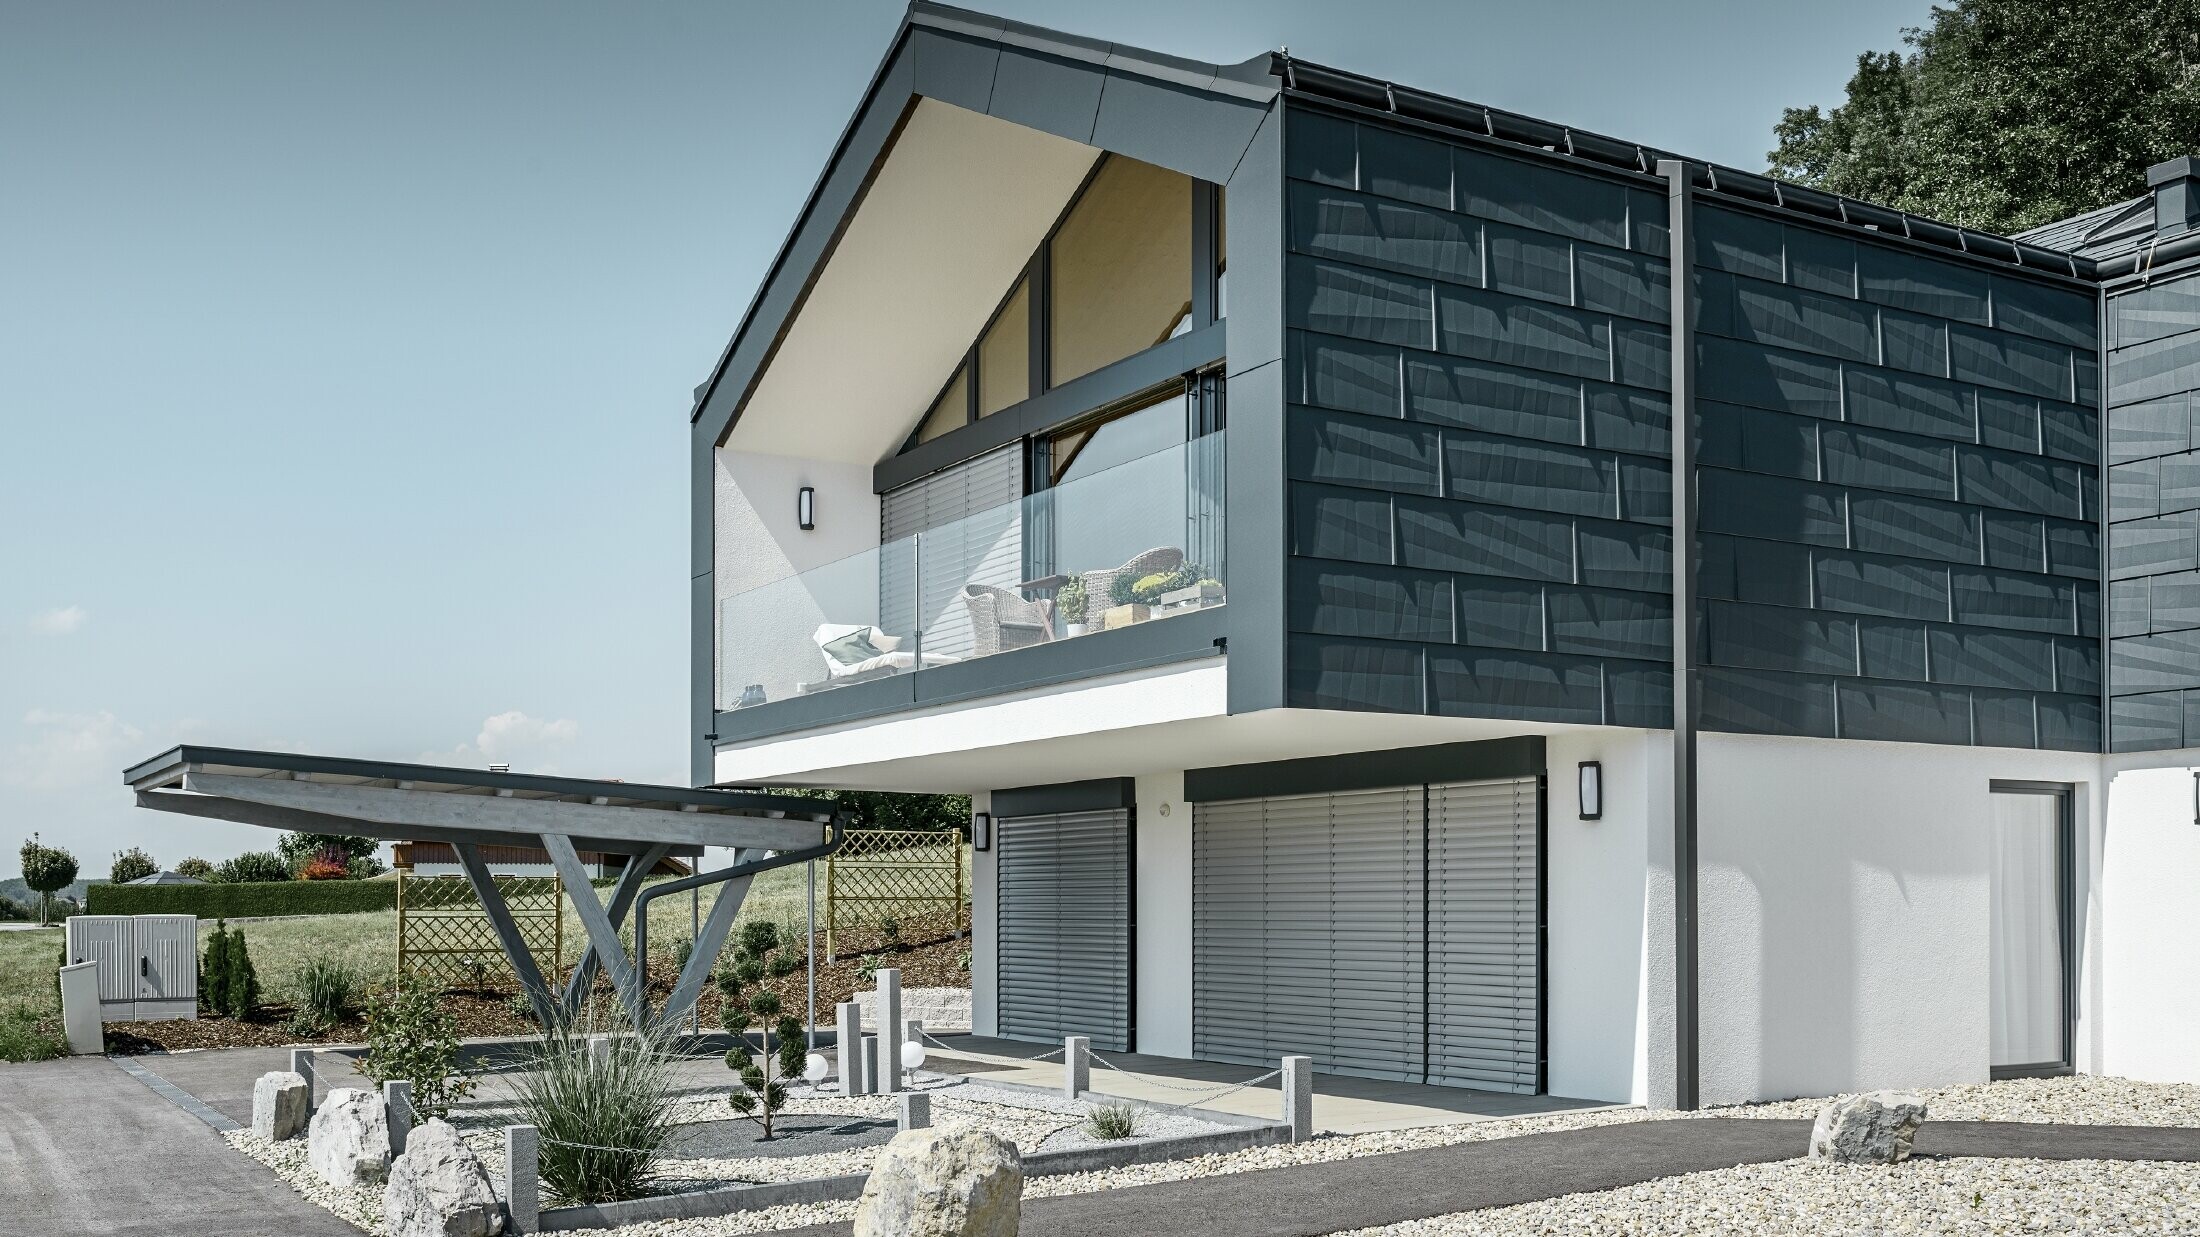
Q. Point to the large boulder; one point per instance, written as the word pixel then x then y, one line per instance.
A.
pixel 349 1140
pixel 1868 1129
pixel 438 1188
pixel 942 1183
pixel 281 1103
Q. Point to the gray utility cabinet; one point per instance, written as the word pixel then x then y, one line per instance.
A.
pixel 148 964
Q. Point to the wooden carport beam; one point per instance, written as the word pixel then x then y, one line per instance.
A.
pixel 488 813
pixel 622 898
pixel 508 934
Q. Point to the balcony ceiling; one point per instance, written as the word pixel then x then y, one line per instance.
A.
pixel 958 204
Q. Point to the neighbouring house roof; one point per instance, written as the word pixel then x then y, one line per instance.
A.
pixel 166 878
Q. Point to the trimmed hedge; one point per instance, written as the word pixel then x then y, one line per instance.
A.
pixel 237 901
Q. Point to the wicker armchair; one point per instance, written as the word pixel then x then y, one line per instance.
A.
pixel 1100 585
pixel 1001 620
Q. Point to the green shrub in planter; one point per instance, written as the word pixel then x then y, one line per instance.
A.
pixel 1072 601
pixel 410 1036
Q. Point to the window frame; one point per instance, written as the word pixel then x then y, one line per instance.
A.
pixel 1037 274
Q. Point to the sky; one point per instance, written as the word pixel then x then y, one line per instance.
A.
pixel 346 350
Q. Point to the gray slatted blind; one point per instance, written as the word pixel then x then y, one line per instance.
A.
pixel 1386 933
pixel 971 520
pixel 1063 927
pixel 1307 931
pixel 1484 986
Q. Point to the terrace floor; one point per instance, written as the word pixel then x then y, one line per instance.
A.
pixel 1342 1104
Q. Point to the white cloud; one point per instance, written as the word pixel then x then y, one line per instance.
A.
pixel 72 749
pixel 528 744
pixel 60 621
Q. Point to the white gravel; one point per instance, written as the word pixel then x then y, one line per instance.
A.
pixel 1732 1197
pixel 1962 1196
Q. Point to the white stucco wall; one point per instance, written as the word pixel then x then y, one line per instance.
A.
pixel 1595 909
pixel 2149 916
pixel 1844 911
pixel 984 942
pixel 1164 916
pixel 760 547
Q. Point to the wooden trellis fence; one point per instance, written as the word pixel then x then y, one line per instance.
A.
pixel 881 873
pixel 444 936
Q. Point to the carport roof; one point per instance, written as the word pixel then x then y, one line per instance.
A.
pixel 399 801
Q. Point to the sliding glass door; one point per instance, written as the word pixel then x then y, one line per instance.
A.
pixel 2030 849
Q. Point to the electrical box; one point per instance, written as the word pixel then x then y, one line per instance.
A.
pixel 148 964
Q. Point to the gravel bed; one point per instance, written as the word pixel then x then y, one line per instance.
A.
pixel 1049 1122
pixel 1957 1196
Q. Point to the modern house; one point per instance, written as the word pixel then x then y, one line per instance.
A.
pixel 1255 485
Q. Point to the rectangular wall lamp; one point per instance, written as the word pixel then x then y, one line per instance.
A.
pixel 1590 783
pixel 981 831
pixel 805 507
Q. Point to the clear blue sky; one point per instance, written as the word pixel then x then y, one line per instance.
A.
pixel 346 349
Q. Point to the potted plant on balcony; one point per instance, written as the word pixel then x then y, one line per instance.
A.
pixel 1072 602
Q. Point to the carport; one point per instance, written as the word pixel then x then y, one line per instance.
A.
pixel 469 808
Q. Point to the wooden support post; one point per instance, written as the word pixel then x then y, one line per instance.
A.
pixel 531 981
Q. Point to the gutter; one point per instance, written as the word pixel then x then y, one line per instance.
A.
pixel 641 903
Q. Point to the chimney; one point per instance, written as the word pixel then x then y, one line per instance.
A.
pixel 2176 186
pixel 500 768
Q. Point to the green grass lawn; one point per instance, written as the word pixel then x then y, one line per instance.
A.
pixel 368 941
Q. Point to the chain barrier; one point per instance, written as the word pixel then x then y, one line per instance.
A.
pixel 1044 1056
pixel 1175 1086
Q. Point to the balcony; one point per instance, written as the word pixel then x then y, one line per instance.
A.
pixel 1137 543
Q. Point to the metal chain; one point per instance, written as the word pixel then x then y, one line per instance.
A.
pixel 1174 1086
pixel 1048 1055
pixel 1250 1082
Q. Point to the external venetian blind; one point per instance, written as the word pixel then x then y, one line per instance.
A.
pixel 1388 933
pixel 1064 927
pixel 971 520
pixel 1484 959
pixel 1307 932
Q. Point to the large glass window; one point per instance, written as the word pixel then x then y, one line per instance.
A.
pixel 1004 356
pixel 952 410
pixel 1121 267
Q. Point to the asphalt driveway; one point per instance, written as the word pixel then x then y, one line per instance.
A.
pixel 86 1148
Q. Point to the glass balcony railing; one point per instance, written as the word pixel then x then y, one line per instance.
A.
pixel 1136 543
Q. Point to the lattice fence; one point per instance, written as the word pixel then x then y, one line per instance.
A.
pixel 881 873
pixel 444 936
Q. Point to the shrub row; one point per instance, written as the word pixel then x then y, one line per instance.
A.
pixel 240 900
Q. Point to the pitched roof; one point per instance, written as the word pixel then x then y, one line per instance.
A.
pixel 2118 228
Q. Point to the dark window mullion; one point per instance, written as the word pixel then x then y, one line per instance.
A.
pixel 1203 253
pixel 1042 315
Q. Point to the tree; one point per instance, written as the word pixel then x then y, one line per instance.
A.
pixel 129 865
pixel 229 985
pixel 762 1093
pixel 2006 114
pixel 196 868
pixel 301 849
pixel 251 867
pixel 886 809
pixel 47 870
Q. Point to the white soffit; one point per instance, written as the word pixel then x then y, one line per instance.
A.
pixel 959 204
pixel 1143 722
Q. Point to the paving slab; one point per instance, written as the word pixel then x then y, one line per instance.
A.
pixel 86 1148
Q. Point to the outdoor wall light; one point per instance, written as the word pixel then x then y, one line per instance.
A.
pixel 981 831
pixel 805 507
pixel 1590 782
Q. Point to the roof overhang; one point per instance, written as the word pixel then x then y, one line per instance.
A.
pixel 409 802
pixel 972 136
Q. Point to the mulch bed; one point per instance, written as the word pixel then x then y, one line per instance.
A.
pixel 930 957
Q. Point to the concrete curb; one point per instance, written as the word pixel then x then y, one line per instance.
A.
pixel 726 1200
